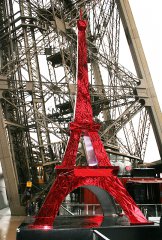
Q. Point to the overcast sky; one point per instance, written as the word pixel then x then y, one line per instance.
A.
pixel 148 18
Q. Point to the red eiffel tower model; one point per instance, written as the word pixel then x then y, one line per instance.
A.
pixel 99 172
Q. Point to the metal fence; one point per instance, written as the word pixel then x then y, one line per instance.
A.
pixel 149 210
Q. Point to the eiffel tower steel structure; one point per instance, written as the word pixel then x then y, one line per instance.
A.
pixel 38 87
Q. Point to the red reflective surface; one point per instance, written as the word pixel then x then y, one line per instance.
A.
pixel 69 177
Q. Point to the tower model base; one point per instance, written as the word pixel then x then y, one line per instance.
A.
pixel 84 228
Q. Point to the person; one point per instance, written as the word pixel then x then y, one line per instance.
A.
pixel 28 202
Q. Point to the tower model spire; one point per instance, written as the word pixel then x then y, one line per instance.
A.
pixel 83 116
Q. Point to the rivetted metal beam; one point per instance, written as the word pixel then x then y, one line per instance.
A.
pixel 142 69
pixel 9 172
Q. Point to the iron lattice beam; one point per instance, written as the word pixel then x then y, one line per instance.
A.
pixel 38 56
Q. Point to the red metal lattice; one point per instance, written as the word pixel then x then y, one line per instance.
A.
pixel 71 177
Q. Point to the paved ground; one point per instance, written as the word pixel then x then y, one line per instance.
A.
pixel 9 224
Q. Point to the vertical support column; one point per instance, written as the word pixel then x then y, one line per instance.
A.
pixel 99 81
pixel 142 69
pixel 9 171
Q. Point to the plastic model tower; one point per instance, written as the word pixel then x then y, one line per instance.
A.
pixel 99 172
